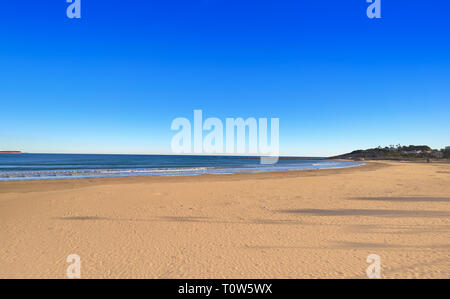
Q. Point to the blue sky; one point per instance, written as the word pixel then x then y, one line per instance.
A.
pixel 113 81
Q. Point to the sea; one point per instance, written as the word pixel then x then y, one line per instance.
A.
pixel 20 167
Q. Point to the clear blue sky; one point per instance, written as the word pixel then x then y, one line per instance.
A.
pixel 113 81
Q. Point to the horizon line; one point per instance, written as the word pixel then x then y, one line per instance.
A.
pixel 172 154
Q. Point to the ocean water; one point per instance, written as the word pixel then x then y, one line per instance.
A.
pixel 15 167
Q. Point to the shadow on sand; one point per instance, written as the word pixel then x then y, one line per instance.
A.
pixel 368 212
pixel 405 199
pixel 177 219
pixel 355 245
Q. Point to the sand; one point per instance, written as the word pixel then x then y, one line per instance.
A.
pixel 310 224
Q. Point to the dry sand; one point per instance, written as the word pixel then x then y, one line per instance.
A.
pixel 311 224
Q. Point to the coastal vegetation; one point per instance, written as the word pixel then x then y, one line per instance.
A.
pixel 398 152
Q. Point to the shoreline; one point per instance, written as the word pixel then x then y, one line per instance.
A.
pixel 182 172
pixel 8 186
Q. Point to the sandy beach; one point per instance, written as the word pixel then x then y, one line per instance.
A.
pixel 309 224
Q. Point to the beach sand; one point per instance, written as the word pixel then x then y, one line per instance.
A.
pixel 310 224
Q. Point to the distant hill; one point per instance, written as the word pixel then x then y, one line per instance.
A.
pixel 396 153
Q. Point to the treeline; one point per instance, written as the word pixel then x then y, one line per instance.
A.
pixel 397 153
